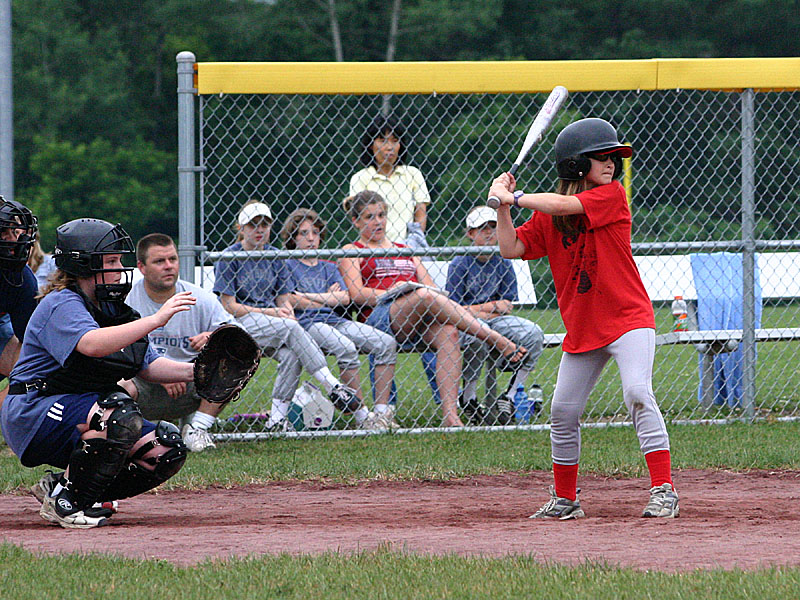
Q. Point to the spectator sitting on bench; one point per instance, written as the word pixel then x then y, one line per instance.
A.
pixel 486 286
pixel 318 290
pixel 422 314
pixel 255 291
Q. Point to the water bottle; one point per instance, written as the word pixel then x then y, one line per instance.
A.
pixel 522 406
pixel 537 398
pixel 680 313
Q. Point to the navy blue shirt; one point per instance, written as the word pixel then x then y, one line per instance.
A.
pixel 315 280
pixel 470 281
pixel 253 282
pixel 18 298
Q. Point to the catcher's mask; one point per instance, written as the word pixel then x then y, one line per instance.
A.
pixel 80 247
pixel 587 136
pixel 18 227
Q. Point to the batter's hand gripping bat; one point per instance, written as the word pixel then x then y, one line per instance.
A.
pixel 536 132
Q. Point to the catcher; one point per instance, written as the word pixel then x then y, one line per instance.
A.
pixel 64 407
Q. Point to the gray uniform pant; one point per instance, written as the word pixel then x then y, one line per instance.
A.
pixel 476 353
pixel 289 344
pixel 346 339
pixel 577 375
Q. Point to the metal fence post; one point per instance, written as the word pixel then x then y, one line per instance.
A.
pixel 186 165
pixel 6 104
pixel 748 256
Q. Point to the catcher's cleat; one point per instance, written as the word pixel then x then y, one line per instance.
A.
pixel 663 502
pixel 197 440
pixel 344 398
pixel 560 508
pixel 47 483
pixel 380 421
pixel 62 511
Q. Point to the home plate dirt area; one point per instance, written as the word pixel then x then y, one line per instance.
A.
pixel 728 520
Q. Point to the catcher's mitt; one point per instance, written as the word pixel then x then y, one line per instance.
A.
pixel 225 364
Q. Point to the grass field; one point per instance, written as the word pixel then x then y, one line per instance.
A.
pixel 391 573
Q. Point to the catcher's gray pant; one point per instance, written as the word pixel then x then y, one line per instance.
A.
pixel 155 403
pixel 346 339
pixel 289 344
pixel 633 353
pixel 476 352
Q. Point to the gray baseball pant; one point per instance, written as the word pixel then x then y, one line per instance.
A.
pixel 476 353
pixel 289 344
pixel 633 352
pixel 346 339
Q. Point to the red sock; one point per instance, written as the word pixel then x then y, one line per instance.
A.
pixel 566 480
pixel 660 467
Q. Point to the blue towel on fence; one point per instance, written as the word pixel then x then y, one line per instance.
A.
pixel 718 281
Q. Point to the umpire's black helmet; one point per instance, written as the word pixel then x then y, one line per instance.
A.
pixel 584 137
pixel 80 246
pixel 15 249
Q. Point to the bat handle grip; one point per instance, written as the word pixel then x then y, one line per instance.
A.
pixel 494 201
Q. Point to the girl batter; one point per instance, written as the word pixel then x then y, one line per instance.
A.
pixel 585 231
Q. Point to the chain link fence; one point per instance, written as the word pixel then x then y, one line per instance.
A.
pixel 713 185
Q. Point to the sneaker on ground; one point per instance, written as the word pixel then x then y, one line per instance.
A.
pixel 380 421
pixel 196 439
pixel 47 483
pixel 62 511
pixel 501 412
pixel 560 508
pixel 473 410
pixel 278 426
pixel 663 502
pixel 344 398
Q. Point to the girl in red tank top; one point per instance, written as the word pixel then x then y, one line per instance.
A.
pixel 421 316
pixel 383 272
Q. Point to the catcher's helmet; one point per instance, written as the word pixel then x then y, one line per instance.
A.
pixel 585 137
pixel 80 246
pixel 15 248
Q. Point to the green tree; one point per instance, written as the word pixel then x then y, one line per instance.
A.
pixel 132 185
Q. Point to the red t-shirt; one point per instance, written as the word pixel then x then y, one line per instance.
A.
pixel 383 272
pixel 600 293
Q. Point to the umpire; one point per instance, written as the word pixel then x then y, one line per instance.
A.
pixel 18 287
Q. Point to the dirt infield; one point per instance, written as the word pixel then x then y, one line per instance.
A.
pixel 728 520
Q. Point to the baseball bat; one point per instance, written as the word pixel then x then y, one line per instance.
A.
pixel 536 131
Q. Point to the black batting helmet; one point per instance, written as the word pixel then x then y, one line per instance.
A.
pixel 584 137
pixel 80 246
pixel 15 249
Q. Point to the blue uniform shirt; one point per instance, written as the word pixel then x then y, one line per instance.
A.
pixel 470 281
pixel 254 282
pixel 315 280
pixel 55 328
pixel 18 298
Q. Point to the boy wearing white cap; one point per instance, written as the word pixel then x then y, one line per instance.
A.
pixel 487 286
pixel 257 292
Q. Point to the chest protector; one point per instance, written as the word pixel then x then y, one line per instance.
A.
pixel 82 374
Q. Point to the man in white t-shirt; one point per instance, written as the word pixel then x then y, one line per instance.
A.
pixel 181 339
